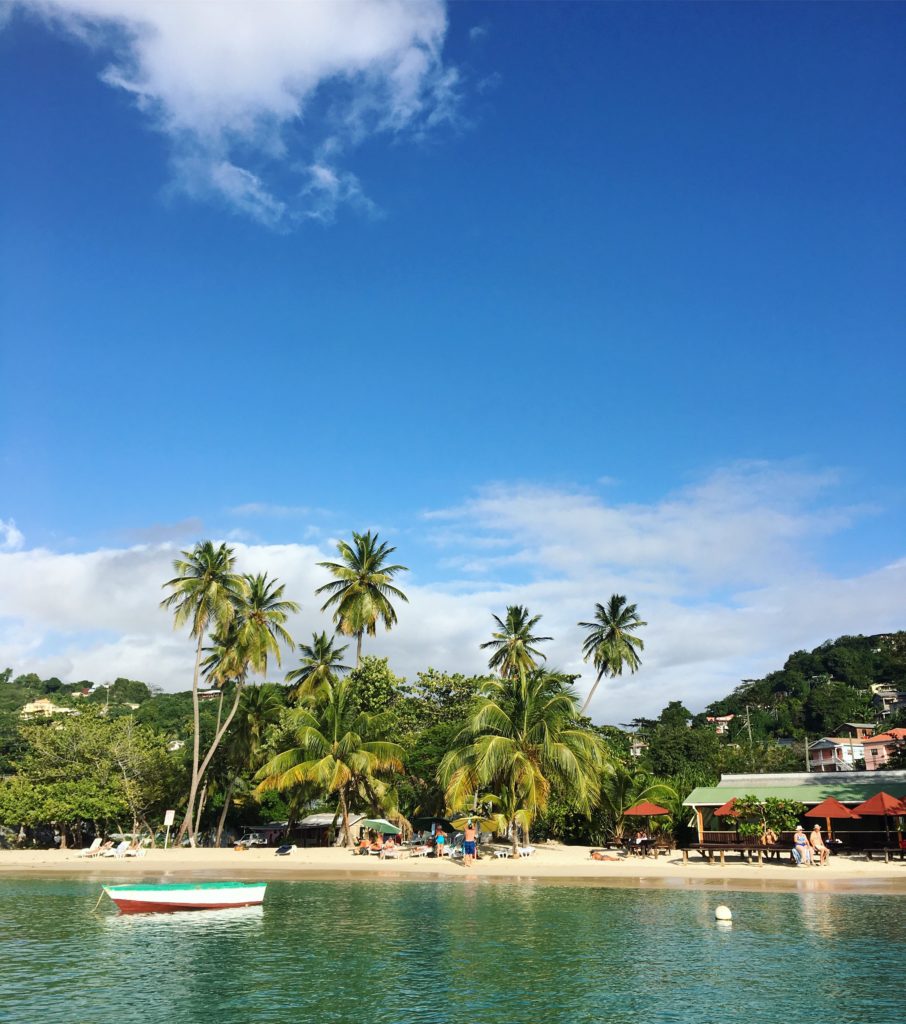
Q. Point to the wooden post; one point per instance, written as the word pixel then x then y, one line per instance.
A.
pixel 700 824
pixel 722 859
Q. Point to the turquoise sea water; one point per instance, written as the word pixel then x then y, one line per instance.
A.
pixel 482 952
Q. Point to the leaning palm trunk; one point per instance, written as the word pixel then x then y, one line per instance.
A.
pixel 186 825
pixel 202 800
pixel 215 743
pixel 591 693
pixel 347 838
pixel 223 814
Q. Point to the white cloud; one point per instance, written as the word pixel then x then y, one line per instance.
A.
pixel 227 81
pixel 11 539
pixel 724 572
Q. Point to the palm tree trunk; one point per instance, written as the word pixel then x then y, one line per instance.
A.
pixel 347 838
pixel 515 837
pixel 201 802
pixel 186 825
pixel 215 743
pixel 358 648
pixel 591 693
pixel 223 814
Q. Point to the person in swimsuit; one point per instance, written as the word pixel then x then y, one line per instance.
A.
pixel 468 844
pixel 439 841
pixel 802 852
pixel 820 852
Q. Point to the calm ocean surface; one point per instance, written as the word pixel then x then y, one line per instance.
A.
pixel 481 953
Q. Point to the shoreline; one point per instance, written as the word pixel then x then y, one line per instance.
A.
pixel 551 864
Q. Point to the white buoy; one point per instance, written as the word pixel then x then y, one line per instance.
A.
pixel 723 913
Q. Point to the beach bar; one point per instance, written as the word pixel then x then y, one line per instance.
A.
pixel 809 788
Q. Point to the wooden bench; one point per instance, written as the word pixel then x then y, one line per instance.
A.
pixel 888 851
pixel 746 850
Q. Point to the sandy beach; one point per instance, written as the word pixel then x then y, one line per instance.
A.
pixel 551 863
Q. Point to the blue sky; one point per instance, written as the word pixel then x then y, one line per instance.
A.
pixel 645 260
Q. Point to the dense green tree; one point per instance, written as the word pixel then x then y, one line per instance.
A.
pixel 522 737
pixel 513 645
pixel 362 587
pixel 610 643
pixel 335 746
pixel 88 769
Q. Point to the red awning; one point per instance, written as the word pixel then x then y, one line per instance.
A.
pixel 726 809
pixel 881 803
pixel 646 809
pixel 831 808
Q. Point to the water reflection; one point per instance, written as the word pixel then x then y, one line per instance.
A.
pixel 433 952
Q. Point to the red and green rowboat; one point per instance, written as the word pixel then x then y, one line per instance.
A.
pixel 165 899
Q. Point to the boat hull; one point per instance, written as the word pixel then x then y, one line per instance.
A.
pixel 170 899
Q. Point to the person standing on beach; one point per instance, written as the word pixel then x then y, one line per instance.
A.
pixel 440 840
pixel 820 852
pixel 468 844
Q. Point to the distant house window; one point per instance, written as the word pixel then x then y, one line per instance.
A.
pixel 874 750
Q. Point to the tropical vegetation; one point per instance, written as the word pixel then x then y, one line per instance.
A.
pixel 511 746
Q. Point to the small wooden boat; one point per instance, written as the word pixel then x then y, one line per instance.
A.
pixel 167 898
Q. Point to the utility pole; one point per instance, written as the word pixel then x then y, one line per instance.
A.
pixel 808 766
pixel 749 730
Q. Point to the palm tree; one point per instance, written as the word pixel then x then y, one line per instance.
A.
pixel 513 644
pixel 610 643
pixel 320 666
pixel 205 593
pixel 259 710
pixel 522 738
pixel 362 588
pixel 336 746
pixel 255 633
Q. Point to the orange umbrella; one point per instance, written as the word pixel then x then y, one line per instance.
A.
pixel 645 810
pixel 830 808
pixel 881 804
pixel 725 810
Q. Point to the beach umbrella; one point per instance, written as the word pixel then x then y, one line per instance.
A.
pixel 645 809
pixel 831 808
pixel 725 810
pixel 380 825
pixel 881 804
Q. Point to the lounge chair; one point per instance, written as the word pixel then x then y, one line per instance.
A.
pixel 92 850
pixel 526 851
pixel 117 851
pixel 285 850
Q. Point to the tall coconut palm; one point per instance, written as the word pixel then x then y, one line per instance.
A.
pixel 521 739
pixel 259 711
pixel 513 644
pixel 610 643
pixel 204 593
pixel 254 635
pixel 362 587
pixel 321 664
pixel 336 746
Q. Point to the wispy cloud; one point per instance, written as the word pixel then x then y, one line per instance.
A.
pixel 226 82
pixel 11 539
pixel 264 509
